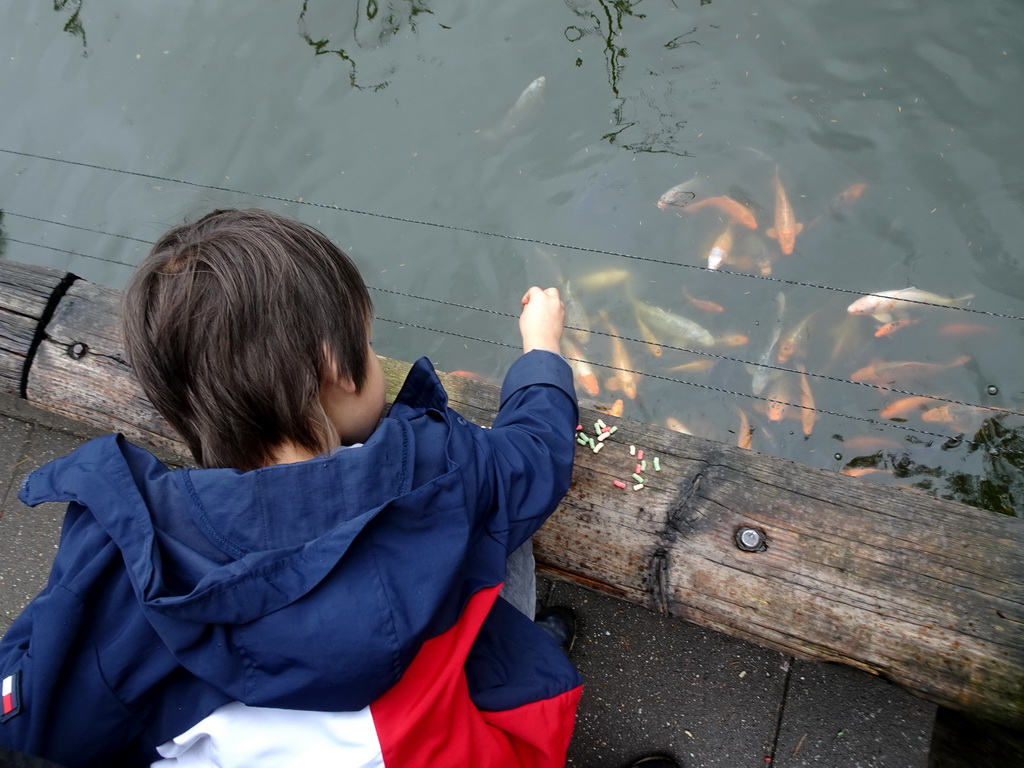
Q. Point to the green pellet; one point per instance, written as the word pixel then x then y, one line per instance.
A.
pixel 637 477
pixel 657 464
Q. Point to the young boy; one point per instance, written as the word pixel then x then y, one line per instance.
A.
pixel 324 589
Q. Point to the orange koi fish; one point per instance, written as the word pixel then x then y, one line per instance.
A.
pixel 843 199
pixel 847 196
pixel 906 405
pixel 861 471
pixel 895 325
pixel 732 340
pixel 469 375
pixel 653 345
pixel 702 304
pixel 886 373
pixel 808 412
pixel 625 377
pixel 733 209
pixel 746 432
pixel 786 226
pixel 584 372
pixel 697 366
pixel 615 409
pixel 720 249
pixel 676 426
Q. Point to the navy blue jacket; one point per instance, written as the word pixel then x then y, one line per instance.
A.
pixel 305 586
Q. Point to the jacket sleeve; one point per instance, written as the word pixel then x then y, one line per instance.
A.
pixel 531 444
pixel 61 707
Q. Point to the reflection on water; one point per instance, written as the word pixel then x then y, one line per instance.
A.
pixel 73 24
pixel 995 455
pixel 653 114
pixel 371 27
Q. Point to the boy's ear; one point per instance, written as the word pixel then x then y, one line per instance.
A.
pixel 331 377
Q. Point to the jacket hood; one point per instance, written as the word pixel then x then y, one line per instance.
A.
pixel 220 545
pixel 226 565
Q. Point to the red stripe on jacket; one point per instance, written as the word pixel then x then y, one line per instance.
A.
pixel 428 718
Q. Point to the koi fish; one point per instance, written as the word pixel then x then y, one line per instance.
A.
pixel 958 415
pixel 843 199
pixel 763 371
pixel 732 340
pixel 677 426
pixel 720 249
pixel 625 378
pixel 697 366
pixel 888 329
pixel 779 396
pixel 576 322
pixel 745 433
pixel 861 471
pixel 702 304
pixel 679 196
pixel 653 346
pixel 905 405
pixel 886 373
pixel 808 412
pixel 681 329
pixel 584 372
pixel 615 409
pixel 605 278
pixel 881 305
pixel 734 209
pixel 786 226
pixel 521 114
pixel 795 340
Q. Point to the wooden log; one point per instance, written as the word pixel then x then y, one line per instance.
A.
pixel 924 592
pixel 27 293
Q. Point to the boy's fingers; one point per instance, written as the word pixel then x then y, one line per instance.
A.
pixel 549 292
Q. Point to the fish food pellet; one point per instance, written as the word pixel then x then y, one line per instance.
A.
pixel 618 484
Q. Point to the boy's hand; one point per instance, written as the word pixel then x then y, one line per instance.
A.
pixel 542 319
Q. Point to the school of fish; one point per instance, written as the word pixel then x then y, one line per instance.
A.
pixel 692 337
pixel 689 338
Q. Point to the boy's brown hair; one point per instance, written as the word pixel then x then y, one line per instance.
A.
pixel 231 325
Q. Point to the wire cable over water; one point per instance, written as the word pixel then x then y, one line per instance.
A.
pixel 468 230
pixel 538 241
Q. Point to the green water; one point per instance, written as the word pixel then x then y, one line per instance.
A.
pixel 123 119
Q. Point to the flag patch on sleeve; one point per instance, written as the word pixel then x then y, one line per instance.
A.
pixel 11 696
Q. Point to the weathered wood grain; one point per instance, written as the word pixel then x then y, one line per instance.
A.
pixel 80 370
pixel 925 592
pixel 25 294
